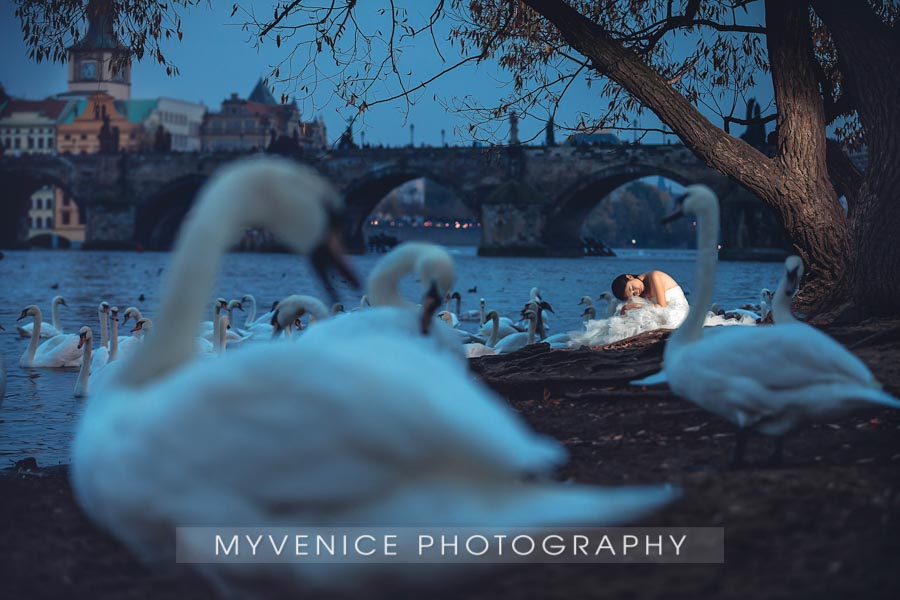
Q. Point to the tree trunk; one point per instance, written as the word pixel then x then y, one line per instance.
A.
pixel 795 184
pixel 868 52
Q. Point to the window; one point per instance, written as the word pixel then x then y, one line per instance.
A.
pixel 83 136
pixel 66 217
pixel 38 223
pixel 7 143
pixel 38 203
pixel 67 137
pixel 30 143
pixel 49 142
pixel 49 222
pixel 66 201
pixel 18 144
pixel 40 142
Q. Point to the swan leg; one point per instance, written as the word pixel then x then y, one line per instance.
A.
pixel 740 444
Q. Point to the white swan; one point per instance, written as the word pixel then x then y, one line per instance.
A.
pixel 85 344
pixel 306 433
pixel 589 314
pixel 390 312
pixel 517 341
pixel 102 314
pixel 105 355
pixel 58 351
pixel 475 349
pixel 730 373
pixel 292 308
pixel 611 304
pixel 52 329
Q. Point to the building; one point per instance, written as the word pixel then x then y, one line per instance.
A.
pixel 54 219
pixel 29 126
pixel 97 62
pixel 181 120
pixel 244 125
pixel 100 116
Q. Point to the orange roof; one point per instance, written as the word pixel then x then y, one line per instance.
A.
pixel 49 108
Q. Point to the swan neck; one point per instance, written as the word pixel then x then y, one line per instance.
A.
pixel 54 316
pixel 208 231
pixel 781 305
pixel 251 312
pixel 114 341
pixel 104 332
pixel 85 372
pixel 35 335
pixel 495 330
pixel 532 325
pixel 382 286
pixel 707 257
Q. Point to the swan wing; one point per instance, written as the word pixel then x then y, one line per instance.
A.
pixel 274 437
pixel 59 351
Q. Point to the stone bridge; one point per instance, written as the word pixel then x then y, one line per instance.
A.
pixel 530 200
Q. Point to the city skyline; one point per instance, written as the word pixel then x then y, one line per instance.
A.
pixel 209 75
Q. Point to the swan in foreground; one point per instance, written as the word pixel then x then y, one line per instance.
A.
pixel 731 373
pixel 48 330
pixel 58 351
pixel 285 434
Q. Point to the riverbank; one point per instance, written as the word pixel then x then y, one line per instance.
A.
pixel 825 524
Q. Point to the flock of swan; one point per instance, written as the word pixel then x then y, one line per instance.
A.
pixel 371 417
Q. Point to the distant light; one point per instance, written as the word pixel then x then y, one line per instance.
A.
pixel 456 225
pixel 427 223
pixel 634 241
pixel 375 222
pixel 720 247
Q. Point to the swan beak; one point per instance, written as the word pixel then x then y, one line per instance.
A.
pixel 430 304
pixel 546 306
pixel 793 282
pixel 136 328
pixel 63 301
pixel 2 328
pixel 240 307
pixel 330 254
pixel 23 315
pixel 674 216
pixel 80 341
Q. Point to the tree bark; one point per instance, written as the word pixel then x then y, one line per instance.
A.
pixel 868 52
pixel 795 184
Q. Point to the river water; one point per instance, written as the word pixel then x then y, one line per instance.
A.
pixel 39 413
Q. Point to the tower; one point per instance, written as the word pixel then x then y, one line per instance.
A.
pixel 93 58
pixel 513 128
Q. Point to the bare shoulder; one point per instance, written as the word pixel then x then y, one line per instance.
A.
pixel 661 279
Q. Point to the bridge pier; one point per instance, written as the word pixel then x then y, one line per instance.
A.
pixel 110 226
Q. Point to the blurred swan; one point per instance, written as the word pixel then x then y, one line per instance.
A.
pixel 58 351
pixel 731 373
pixel 48 330
pixel 305 433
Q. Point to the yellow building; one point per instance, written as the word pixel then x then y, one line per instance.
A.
pixel 80 129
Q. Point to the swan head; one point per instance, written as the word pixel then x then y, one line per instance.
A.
pixel 59 300
pixel 455 296
pixel 234 304
pixel 535 293
pixel 481 303
pixel 586 300
pixel 793 273
pixel 292 308
pixel 605 296
pixel 103 307
pixel 437 274
pixel 248 298
pixel 537 306
pixel 492 315
pixel 765 295
pixel 529 315
pixel 696 199
pixel 445 316
pixel 131 313
pixel 114 313
pixel 336 308
pixel 85 336
pixel 590 312
pixel 219 305
pixel 143 324
pixel 29 311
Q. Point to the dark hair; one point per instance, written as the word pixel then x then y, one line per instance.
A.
pixel 618 285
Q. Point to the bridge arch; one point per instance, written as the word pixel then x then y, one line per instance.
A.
pixel 159 218
pixel 366 192
pixel 18 187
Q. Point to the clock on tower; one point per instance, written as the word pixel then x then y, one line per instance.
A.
pixel 88 70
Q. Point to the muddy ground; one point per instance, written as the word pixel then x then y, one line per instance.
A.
pixel 826 524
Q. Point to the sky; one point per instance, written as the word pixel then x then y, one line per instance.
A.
pixel 215 60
